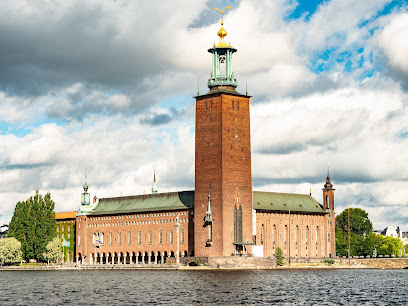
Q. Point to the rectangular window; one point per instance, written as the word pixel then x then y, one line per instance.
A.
pixel 160 237
pixel 110 238
pixel 120 238
pixel 140 238
pixel 182 236
pixel 150 237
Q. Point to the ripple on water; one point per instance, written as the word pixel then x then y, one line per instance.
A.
pixel 107 287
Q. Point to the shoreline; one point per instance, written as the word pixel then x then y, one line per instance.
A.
pixel 190 268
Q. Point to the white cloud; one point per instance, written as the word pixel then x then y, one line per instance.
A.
pixel 393 40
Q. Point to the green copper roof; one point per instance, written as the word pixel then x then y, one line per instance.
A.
pixel 270 201
pixel 280 202
pixel 144 203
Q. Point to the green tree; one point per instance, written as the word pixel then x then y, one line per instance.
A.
pixel 33 224
pixel 53 250
pixel 279 256
pixel 388 246
pixel 361 233
pixel 10 250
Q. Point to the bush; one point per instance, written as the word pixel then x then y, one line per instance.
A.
pixel 329 261
pixel 279 256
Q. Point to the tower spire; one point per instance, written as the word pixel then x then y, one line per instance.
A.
pixel 154 187
pixel 85 198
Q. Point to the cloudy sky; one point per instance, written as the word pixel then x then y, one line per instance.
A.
pixel 110 84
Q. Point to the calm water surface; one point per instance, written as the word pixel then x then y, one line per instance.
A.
pixel 124 287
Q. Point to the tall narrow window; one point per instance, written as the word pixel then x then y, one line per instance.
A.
pixel 307 238
pixel 240 224
pixel 182 236
pixel 296 236
pixel 130 237
pixel 94 239
pixel 79 239
pixel 139 238
pixel 235 225
pixel 171 236
pixel 150 237
pixel 273 235
pixel 327 202
pixel 284 236
pixel 160 237
pixel 120 238
pixel 110 238
pixel 102 238
pixel 262 231
pixel 328 237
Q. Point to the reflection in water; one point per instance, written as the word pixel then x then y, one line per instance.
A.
pixel 328 287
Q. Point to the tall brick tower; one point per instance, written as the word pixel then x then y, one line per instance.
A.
pixel 328 204
pixel 223 183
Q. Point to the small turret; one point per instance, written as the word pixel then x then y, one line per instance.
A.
pixel 85 199
pixel 154 187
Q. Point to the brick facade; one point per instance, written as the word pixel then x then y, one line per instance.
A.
pixel 133 238
pixel 222 161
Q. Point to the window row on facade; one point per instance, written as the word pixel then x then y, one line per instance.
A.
pixel 143 222
pixel 100 239
pixel 151 215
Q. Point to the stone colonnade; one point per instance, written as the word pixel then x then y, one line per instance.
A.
pixel 114 258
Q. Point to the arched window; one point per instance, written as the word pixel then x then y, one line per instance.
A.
pixel 120 238
pixel 130 238
pixel 182 236
pixel 160 237
pixel 171 236
pixel 139 238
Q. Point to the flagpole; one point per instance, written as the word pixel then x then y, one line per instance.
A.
pixel 348 216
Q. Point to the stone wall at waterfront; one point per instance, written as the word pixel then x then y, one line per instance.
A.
pixel 384 263
pixel 229 262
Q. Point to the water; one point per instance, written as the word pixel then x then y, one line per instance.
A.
pixel 141 287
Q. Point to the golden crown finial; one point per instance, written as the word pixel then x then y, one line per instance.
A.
pixel 222 33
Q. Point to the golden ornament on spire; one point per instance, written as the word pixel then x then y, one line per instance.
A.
pixel 222 33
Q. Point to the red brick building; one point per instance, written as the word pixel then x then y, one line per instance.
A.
pixel 223 216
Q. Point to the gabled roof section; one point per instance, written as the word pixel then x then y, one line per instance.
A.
pixel 66 215
pixel 145 203
pixel 274 201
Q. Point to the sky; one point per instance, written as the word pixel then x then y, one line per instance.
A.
pixel 109 85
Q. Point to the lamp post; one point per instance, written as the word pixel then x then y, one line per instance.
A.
pixel 177 225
